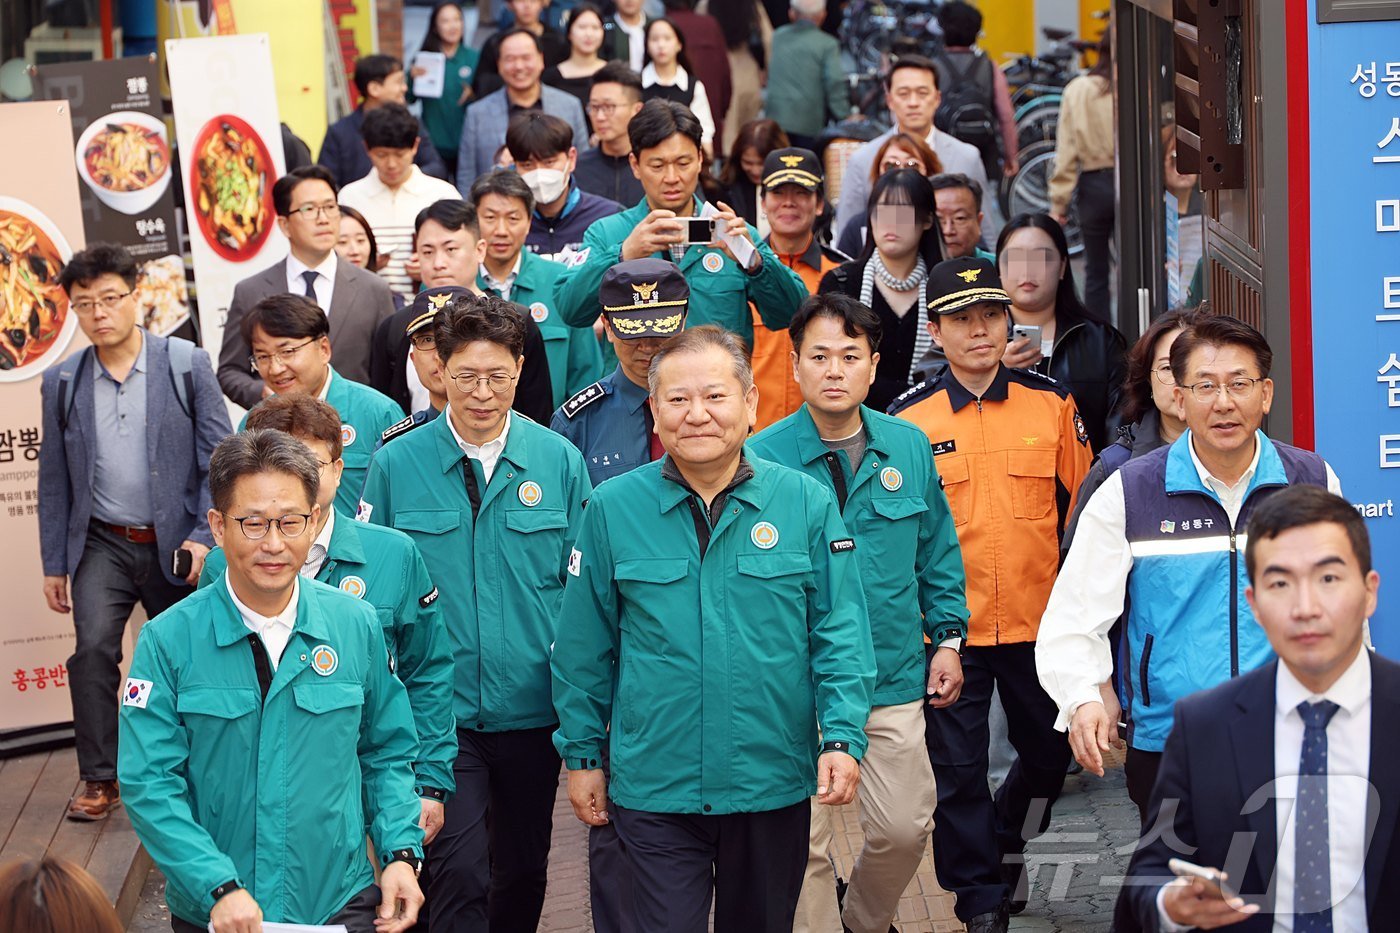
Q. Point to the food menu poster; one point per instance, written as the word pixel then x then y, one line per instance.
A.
pixel 229 142
pixel 122 160
pixel 41 226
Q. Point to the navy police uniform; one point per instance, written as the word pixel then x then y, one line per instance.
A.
pixel 426 305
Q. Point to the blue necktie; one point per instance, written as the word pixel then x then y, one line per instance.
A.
pixel 309 277
pixel 1312 865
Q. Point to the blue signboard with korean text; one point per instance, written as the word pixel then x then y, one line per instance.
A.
pixel 1354 113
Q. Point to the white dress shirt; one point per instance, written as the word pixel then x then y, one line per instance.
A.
pixel 325 279
pixel 1072 653
pixel 316 557
pixel 273 630
pixel 391 212
pixel 1348 791
pixel 489 453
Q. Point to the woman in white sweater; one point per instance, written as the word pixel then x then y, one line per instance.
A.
pixel 667 74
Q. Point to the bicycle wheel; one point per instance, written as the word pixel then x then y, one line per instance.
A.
pixel 1038 121
pixel 1029 190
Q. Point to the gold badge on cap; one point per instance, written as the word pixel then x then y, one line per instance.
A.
pixel 969 275
pixel 791 161
pixel 438 302
pixel 644 293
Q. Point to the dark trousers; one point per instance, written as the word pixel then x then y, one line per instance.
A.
pixel 1141 769
pixel 113 575
pixel 609 879
pixel 751 863
pixel 1094 198
pixel 357 915
pixel 972 831
pixel 486 869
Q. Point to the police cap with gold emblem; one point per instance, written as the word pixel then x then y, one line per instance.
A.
pixel 956 283
pixel 644 298
pixel 792 167
pixel 428 302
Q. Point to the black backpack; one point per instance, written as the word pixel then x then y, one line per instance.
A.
pixel 966 110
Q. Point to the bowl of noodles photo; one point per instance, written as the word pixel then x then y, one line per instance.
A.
pixel 125 159
pixel 36 324
pixel 231 176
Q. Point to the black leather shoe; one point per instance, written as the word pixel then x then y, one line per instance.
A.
pixel 993 921
pixel 1013 875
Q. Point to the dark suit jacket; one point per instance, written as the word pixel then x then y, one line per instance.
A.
pixel 343 151
pixel 487 79
pixel 359 301
pixel 178 449
pixel 1219 754
pixel 388 367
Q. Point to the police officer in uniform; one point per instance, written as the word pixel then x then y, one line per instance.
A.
pixel 382 567
pixel 262 729
pixel 644 304
pixel 422 353
pixel 493 500
pixel 714 619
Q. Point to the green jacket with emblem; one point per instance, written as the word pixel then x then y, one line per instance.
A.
pixel 383 567
pixel 501 573
pixel 574 358
pixel 716 672
pixel 720 291
pixel 907 548
pixel 224 785
pixel 365 414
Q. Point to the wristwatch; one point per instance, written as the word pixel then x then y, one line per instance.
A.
pixel 406 855
pixel 836 747
pixel 228 887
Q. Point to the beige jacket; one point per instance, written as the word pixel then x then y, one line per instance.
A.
pixel 1085 138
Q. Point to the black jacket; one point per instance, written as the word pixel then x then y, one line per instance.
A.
pixel 1089 359
pixel 343 151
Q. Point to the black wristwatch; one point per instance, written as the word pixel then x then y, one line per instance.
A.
pixel 228 887
pixel 406 855
pixel 836 747
pixel 432 793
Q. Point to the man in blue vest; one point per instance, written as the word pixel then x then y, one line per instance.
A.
pixel 1162 540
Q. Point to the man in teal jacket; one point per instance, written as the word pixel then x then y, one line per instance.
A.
pixel 725 272
pixel 714 619
pixel 261 727
pixel 382 567
pixel 881 472
pixel 504 206
pixel 493 501
pixel 290 337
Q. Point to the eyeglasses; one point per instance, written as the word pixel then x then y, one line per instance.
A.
pixel 1239 388
pixel 889 165
pixel 470 382
pixel 88 306
pixel 283 356
pixel 602 110
pixel 424 342
pixel 255 527
pixel 1164 375
pixel 307 211
pixel 325 465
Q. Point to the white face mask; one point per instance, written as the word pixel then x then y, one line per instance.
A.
pixel 546 184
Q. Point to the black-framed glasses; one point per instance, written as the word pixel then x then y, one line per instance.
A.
pixel 424 342
pixel 89 305
pixel 1239 388
pixel 256 527
pixel 307 211
pixel 468 382
pixel 285 355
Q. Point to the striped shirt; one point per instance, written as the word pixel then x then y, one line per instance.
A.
pixel 391 214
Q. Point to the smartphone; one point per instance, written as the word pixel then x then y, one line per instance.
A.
pixel 700 230
pixel 1030 332
pixel 181 562
pixel 1213 877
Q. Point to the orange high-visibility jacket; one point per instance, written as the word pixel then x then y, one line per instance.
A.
pixel 1011 464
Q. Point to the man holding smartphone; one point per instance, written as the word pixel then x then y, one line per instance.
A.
pixel 722 258
pixel 129 425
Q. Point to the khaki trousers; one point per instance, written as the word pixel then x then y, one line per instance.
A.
pixel 897 799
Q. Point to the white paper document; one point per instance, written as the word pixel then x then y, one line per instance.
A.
pixel 429 83
pixel 296 928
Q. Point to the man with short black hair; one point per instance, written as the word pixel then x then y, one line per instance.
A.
pixel 543 150
pixel 528 16
pixel 613 100
pixel 958 202
pixel 129 425
pixel 725 270
pixel 380 80
pixel 522 64
pixel 503 208
pixel 393 193
pixel 355 300
pixel 291 350
pixel 493 501
pixel 625 34
pixel 973 84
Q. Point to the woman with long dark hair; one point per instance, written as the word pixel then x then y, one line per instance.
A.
pixel 1072 348
pixel 584 30
pixel 668 74
pixel 891 277
pixel 443 116
pixel 742 175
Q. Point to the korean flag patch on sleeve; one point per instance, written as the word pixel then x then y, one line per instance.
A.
pixel 136 693
pixel 575 561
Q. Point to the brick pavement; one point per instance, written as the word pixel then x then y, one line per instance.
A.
pixel 1088 844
